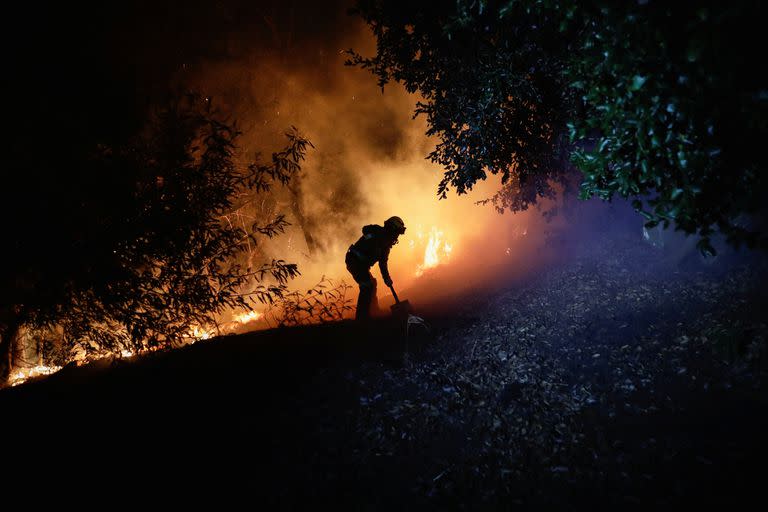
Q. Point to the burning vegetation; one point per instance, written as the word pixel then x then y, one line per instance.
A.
pixel 160 261
pixel 157 196
pixel 437 251
pixel 367 164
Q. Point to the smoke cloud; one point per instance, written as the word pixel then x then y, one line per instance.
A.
pixel 368 163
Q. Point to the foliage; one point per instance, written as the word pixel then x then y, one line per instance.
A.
pixel 487 93
pixel 324 302
pixel 649 100
pixel 144 254
pixel 678 115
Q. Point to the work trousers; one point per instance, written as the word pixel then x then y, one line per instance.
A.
pixel 367 302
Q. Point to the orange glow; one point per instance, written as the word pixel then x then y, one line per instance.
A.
pixel 199 333
pixel 437 252
pixel 19 376
pixel 248 317
pixel 368 165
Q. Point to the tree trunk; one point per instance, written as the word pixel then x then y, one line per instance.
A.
pixel 304 223
pixel 8 334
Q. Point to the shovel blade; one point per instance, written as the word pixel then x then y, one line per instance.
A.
pixel 402 308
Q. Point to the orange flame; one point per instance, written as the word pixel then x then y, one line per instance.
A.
pixel 248 317
pixel 21 375
pixel 437 252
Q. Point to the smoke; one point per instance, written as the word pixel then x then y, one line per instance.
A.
pixel 368 164
pixel 275 64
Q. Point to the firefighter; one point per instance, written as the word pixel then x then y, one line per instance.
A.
pixel 372 247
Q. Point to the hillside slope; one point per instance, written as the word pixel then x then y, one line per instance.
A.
pixel 612 379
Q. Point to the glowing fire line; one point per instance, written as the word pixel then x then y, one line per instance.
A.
pixel 21 375
pixel 196 333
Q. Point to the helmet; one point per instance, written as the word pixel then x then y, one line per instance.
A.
pixel 395 225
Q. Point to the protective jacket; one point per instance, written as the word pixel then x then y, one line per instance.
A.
pixel 372 247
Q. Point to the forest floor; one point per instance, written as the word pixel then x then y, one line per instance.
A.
pixel 613 379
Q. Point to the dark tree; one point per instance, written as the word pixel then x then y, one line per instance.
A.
pixel 125 245
pixel 654 101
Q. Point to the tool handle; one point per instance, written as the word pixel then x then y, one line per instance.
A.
pixel 397 301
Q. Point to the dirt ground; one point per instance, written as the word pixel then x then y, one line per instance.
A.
pixel 615 378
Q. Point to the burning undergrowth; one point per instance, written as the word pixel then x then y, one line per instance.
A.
pixel 614 378
pixel 367 165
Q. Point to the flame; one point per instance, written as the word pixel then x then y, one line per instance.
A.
pixel 21 375
pixel 196 333
pixel 248 317
pixel 438 251
pixel 199 333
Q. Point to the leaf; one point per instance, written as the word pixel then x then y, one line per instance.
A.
pixel 637 82
pixel 705 247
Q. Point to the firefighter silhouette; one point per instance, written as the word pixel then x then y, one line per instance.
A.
pixel 372 247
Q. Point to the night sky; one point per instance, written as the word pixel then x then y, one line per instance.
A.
pixel 97 64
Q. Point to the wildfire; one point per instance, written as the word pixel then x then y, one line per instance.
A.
pixel 438 251
pixel 199 333
pixel 21 375
pixel 248 317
